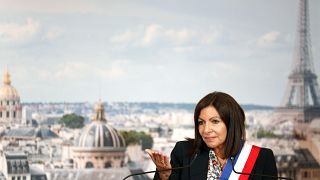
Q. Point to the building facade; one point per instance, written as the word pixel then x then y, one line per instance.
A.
pixel 299 166
pixel 15 166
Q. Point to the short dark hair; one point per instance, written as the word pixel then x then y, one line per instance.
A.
pixel 232 115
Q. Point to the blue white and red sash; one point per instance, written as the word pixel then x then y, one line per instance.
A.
pixel 244 162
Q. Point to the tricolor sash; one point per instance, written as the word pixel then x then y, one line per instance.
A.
pixel 244 162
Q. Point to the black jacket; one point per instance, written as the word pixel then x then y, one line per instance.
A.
pixel 265 164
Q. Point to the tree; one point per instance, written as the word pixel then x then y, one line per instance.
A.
pixel 72 121
pixel 265 134
pixel 146 140
pixel 134 137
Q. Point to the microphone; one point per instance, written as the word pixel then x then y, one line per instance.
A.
pixel 175 168
pixel 254 174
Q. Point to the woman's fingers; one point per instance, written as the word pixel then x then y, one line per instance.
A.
pixel 152 155
pixel 166 160
pixel 159 159
pixel 150 152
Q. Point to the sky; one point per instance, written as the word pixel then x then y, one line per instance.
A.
pixel 151 51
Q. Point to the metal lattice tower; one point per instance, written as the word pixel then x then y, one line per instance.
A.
pixel 302 90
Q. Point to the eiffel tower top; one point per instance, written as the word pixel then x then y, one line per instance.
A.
pixel 302 90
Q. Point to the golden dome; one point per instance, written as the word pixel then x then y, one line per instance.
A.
pixel 7 91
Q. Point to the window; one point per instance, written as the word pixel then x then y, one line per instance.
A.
pixel 19 178
pixel 8 113
pixel 14 114
pixel 24 178
pixel 107 164
pixel 8 103
pixel 306 174
pixel 0 114
pixel 13 102
pixel 89 165
pixel 13 178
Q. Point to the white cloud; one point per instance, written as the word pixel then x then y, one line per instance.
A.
pixel 210 37
pixel 179 36
pixel 81 70
pixel 155 33
pixel 113 73
pixel 268 39
pixel 69 70
pixel 29 31
pixel 126 37
pixel 14 32
pixel 152 32
pixel 53 33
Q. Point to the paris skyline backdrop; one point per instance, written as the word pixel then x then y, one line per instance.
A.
pixel 151 51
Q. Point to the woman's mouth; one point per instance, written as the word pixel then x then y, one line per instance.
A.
pixel 209 138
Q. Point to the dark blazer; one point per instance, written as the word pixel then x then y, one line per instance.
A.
pixel 265 164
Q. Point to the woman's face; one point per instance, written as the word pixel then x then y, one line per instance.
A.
pixel 211 128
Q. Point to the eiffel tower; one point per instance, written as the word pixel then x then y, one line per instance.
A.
pixel 302 98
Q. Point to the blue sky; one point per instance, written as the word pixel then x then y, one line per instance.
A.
pixel 159 51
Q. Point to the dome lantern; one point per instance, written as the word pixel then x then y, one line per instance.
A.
pixel 6 78
pixel 99 112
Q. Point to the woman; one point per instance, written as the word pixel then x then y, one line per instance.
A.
pixel 218 146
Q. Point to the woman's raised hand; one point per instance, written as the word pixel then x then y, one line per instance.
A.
pixel 161 161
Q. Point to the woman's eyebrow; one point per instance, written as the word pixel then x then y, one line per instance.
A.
pixel 215 118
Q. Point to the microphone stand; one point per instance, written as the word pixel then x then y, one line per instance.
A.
pixel 176 168
pixel 147 172
pixel 253 174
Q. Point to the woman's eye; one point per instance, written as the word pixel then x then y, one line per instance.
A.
pixel 200 122
pixel 215 121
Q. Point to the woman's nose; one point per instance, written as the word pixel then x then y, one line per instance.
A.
pixel 207 128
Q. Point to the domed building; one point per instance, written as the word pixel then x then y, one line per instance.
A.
pixel 100 145
pixel 10 107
